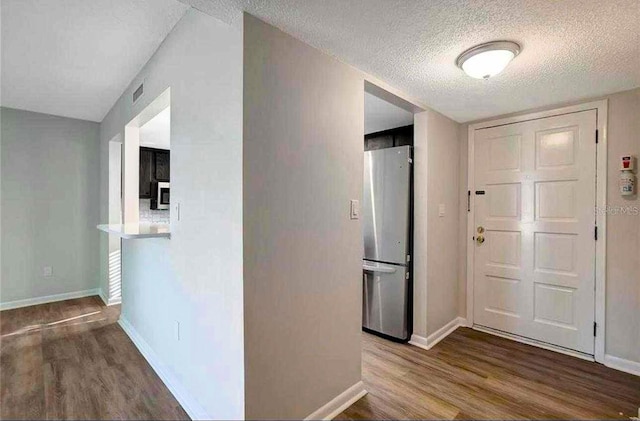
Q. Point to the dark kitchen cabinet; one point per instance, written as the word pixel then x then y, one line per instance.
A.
pixel 146 166
pixel 403 137
pixel 154 167
pixel 379 142
pixel 399 136
pixel 162 166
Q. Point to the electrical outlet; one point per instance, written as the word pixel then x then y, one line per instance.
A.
pixel 441 210
pixel 47 271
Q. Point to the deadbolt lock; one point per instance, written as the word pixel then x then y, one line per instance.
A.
pixel 480 239
pixel 480 229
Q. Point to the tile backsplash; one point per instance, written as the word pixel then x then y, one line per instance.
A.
pixel 156 216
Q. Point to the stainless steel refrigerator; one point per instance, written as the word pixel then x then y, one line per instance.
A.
pixel 386 213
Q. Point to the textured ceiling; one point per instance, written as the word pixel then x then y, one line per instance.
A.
pixel 381 115
pixel 74 58
pixel 572 49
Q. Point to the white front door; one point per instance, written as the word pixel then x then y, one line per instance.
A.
pixel 535 186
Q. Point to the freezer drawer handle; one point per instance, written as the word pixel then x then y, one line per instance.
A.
pixel 380 268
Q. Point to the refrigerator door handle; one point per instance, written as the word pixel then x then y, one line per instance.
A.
pixel 378 268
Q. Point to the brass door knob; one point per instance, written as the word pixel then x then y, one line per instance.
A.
pixel 480 239
pixel 480 229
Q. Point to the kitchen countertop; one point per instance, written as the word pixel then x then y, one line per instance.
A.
pixel 140 230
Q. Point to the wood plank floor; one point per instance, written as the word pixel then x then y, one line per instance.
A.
pixel 473 375
pixel 70 360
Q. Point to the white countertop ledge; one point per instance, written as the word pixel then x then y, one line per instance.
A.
pixel 140 230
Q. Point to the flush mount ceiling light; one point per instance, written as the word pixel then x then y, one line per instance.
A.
pixel 486 60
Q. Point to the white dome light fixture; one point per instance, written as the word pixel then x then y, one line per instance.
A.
pixel 486 60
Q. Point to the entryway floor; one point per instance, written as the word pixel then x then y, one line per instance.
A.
pixel 71 360
pixel 473 375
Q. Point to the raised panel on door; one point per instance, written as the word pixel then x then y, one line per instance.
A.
pixel 499 272
pixel 564 245
pixel 534 274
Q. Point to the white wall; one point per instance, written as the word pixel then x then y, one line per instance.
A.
pixel 623 231
pixel 156 133
pixel 436 169
pixel 303 162
pixel 195 278
pixel 50 183
pixel 381 115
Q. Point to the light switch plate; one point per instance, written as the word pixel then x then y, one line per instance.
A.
pixel 47 271
pixel 355 209
pixel 441 209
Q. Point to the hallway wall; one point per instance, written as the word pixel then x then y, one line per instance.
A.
pixel 303 163
pixel 50 173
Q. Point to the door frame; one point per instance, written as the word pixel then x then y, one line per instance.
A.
pixel 601 108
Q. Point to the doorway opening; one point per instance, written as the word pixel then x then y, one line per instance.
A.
pixel 535 266
pixel 387 217
pixel 154 177
pixel 146 168
pixel 139 188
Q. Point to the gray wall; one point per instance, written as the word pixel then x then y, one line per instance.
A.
pixel 436 253
pixel 303 162
pixel 193 280
pixel 50 184
pixel 442 231
pixel 623 231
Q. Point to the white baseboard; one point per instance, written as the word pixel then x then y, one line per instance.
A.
pixel 628 366
pixel 108 302
pixel 103 298
pixel 189 404
pixel 431 341
pixel 419 341
pixel 48 299
pixel 338 404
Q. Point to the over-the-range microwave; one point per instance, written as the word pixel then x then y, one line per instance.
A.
pixel 161 196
